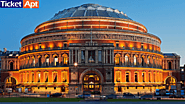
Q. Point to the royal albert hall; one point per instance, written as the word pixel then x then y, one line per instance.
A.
pixel 89 48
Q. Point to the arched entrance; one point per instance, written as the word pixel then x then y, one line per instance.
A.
pixel 91 82
pixel 10 83
pixel 170 81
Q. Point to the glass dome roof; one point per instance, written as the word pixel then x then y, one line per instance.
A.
pixel 90 10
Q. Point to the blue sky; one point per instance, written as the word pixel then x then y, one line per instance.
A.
pixel 163 18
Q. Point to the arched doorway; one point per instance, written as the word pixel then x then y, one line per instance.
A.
pixel 91 82
pixel 11 65
pixel 170 81
pixel 10 83
pixel 169 65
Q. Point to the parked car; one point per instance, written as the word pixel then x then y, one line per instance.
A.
pixel 157 92
pixel 146 97
pixel 56 95
pixel 167 93
pixel 111 96
pixel 84 96
pixel 128 95
pixel 173 92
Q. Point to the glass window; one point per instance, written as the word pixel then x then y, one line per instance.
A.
pixel 136 77
pixel 91 56
pixel 27 77
pixel 135 60
pixel 33 61
pixel 143 77
pixel 99 56
pixel 65 59
pixel 40 63
pixel 154 77
pixel 142 61
pixel 118 75
pixel 119 89
pixel 65 45
pixel 47 61
pixel 148 61
pixel 117 59
pixel 38 77
pixel 55 61
pixel 54 77
pixel 117 44
pixel 46 77
pixel 64 76
pixel 32 77
pixel 126 60
pixel 149 77
pixel 127 77
pixel 83 56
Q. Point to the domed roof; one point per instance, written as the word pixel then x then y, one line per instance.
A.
pixel 90 10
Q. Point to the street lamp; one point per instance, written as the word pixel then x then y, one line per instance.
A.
pixel 75 64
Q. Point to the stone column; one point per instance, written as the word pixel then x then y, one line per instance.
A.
pixel 59 58
pixel 43 60
pixel 123 59
pixel 72 57
pixel 106 56
pixel 50 59
pixel 76 55
pixel 110 52
pixel 7 65
pixel 86 56
pixel 96 56
pixel 112 56
pixel 166 64
pixel 177 64
pixel 79 56
pixel 139 58
pixel 69 58
pixel 103 56
pixel 131 59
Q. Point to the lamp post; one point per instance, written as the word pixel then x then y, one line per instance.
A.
pixel 76 64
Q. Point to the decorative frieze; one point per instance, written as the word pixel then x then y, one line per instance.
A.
pixel 95 36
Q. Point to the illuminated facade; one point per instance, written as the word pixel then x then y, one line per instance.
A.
pixel 90 48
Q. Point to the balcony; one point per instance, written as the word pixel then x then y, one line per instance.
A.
pixel 137 49
pixel 145 66
pixel 45 49
pixel 42 66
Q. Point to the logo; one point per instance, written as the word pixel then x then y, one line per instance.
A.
pixel 30 4
pixel 19 3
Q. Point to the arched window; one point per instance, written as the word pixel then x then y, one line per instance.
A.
pixel 40 63
pixel 33 62
pixel 136 77
pixel 126 60
pixel 148 61
pixel 11 65
pixel 117 59
pixel 169 65
pixel 38 77
pixel 135 60
pixel 149 77
pixel 65 59
pixel 127 77
pixel 47 61
pixel 142 61
pixel 118 75
pixel 143 77
pixel 56 61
